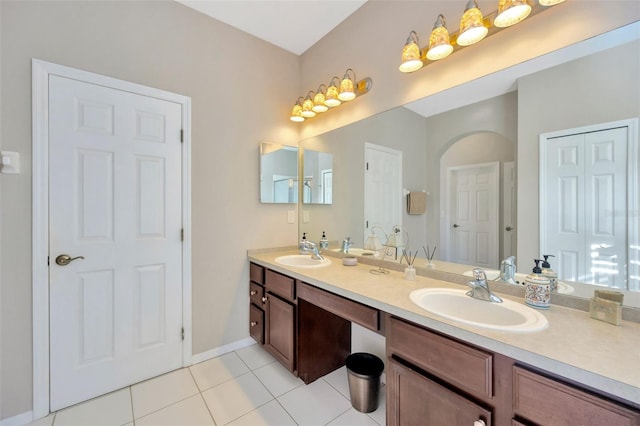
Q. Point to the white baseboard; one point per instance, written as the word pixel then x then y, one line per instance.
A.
pixel 19 420
pixel 216 352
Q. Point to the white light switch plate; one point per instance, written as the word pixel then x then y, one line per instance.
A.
pixel 291 216
pixel 306 217
pixel 9 162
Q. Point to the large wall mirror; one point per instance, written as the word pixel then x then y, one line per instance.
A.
pixel 278 173
pixel 480 160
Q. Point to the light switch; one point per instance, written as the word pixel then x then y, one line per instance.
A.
pixel 306 217
pixel 291 216
pixel 10 162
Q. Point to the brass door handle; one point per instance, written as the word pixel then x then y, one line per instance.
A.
pixel 65 259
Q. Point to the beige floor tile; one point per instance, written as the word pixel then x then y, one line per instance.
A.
pixel 189 412
pixel 314 404
pixel 255 356
pixel 270 414
pixel 277 379
pixel 235 398
pixel 162 391
pixel 112 409
pixel 218 370
pixel 353 418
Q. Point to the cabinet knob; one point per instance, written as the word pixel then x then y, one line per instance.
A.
pixel 253 293
pixel 264 300
pixel 254 323
pixel 479 423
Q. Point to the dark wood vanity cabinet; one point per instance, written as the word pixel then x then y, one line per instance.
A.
pixel 435 380
pixel 256 304
pixel 541 400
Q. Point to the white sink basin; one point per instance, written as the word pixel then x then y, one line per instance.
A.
pixel 455 305
pixel 492 274
pixel 302 261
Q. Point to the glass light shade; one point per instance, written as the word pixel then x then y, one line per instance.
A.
pixel 331 99
pixel 347 92
pixel 307 108
pixel 510 12
pixel 439 45
pixel 411 60
pixel 296 114
pixel 318 103
pixel 472 29
pixel 549 2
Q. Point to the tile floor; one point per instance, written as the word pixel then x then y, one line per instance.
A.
pixel 246 387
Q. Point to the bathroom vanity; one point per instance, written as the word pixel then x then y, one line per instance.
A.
pixel 438 371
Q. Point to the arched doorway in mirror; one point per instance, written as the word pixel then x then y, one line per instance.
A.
pixel 477 178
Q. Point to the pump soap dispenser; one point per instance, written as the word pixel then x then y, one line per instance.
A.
pixel 549 273
pixel 537 291
pixel 324 243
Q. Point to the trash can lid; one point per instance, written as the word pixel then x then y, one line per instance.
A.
pixel 365 364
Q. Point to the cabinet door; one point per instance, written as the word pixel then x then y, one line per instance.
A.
pixel 280 330
pixel 414 399
pixel 256 325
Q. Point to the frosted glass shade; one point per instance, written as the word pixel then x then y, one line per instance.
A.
pixel 510 12
pixel 472 29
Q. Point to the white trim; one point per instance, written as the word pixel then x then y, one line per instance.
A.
pixel 19 420
pixel 633 182
pixel 41 71
pixel 216 352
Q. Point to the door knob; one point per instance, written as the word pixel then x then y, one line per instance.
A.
pixel 65 259
pixel 508 228
pixel 455 225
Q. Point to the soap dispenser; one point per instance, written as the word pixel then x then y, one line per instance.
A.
pixel 302 245
pixel 324 243
pixel 537 291
pixel 549 273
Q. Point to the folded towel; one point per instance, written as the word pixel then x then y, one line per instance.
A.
pixel 416 202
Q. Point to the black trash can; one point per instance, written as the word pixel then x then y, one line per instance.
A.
pixel 363 372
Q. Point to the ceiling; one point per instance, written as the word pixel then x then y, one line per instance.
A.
pixel 294 25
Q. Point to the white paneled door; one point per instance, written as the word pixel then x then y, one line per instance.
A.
pixel 115 208
pixel 474 214
pixel 585 209
pixel 382 189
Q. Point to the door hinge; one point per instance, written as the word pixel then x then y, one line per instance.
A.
pixel 367 224
pixel 182 234
pixel 182 333
pixel 48 261
pixel 367 165
pixel 181 136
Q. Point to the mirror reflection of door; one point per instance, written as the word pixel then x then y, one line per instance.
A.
pixel 382 188
pixel 585 220
pixel 474 214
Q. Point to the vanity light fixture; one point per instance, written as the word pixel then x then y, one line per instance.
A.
pixel 319 99
pixel 330 96
pixel 347 89
pixel 296 112
pixel 472 28
pixel 510 12
pixel 411 58
pixel 307 106
pixel 439 45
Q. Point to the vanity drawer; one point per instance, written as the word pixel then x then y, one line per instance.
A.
pixel 256 293
pixel 353 311
pixel 256 273
pixel 545 401
pixel 256 324
pixel 280 284
pixel 463 366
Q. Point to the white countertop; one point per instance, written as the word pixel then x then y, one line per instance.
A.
pixel 596 354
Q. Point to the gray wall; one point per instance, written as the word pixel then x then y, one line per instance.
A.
pixel 169 46
pixel 597 89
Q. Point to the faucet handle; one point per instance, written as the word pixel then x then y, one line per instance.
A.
pixel 479 274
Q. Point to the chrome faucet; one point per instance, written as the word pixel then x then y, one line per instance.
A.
pixel 346 245
pixel 307 246
pixel 508 271
pixel 480 287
